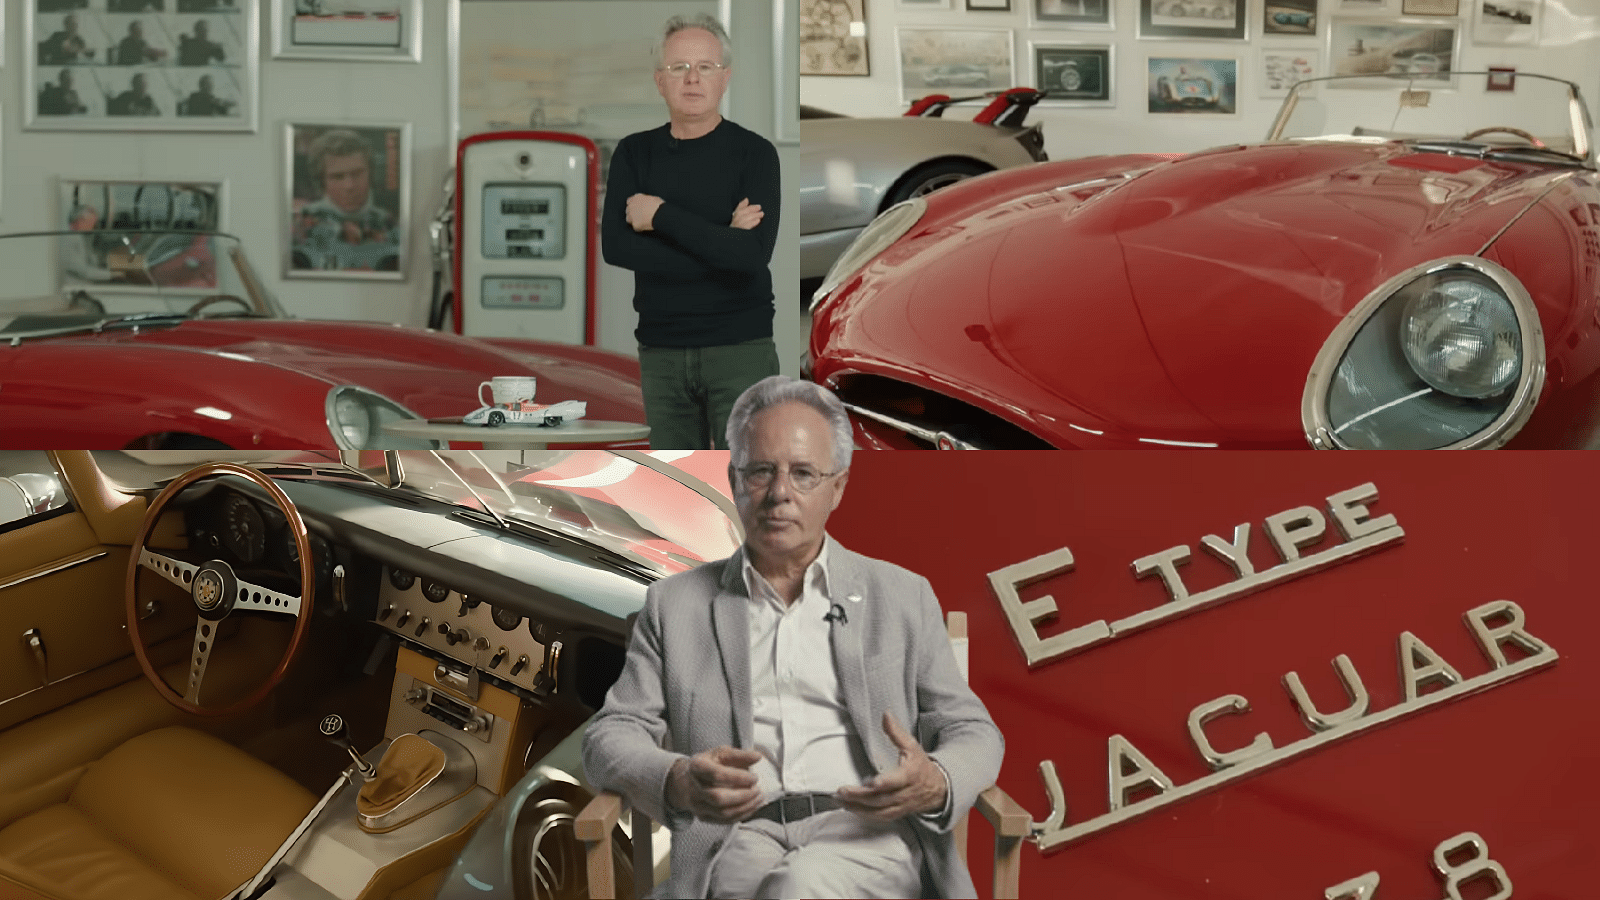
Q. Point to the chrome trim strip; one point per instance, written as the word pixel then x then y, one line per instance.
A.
pixel 58 567
pixel 58 682
pixel 1554 183
pixel 937 438
pixel 1314 418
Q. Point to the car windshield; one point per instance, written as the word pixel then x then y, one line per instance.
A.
pixel 664 512
pixel 1498 112
pixel 59 282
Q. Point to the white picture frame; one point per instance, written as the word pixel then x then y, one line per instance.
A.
pixel 1425 50
pixel 192 65
pixel 937 59
pixel 1278 68
pixel 330 229
pixel 1500 23
pixel 353 30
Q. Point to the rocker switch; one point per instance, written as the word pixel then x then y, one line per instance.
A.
pixel 405 616
pixel 519 665
pixel 422 627
pixel 386 612
pixel 498 657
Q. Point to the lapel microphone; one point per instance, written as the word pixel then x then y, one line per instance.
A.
pixel 836 616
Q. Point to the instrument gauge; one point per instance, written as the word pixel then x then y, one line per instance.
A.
pixel 435 591
pixel 401 579
pixel 505 619
pixel 321 556
pixel 244 534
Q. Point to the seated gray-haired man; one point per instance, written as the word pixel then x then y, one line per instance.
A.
pixel 743 716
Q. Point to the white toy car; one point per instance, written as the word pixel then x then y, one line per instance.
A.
pixel 527 412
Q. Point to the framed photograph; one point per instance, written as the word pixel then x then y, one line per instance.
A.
pixel 1506 23
pixel 97 206
pixel 1430 7
pixel 1364 7
pixel 833 37
pixel 1216 19
pixel 1421 49
pixel 1182 85
pixel 955 61
pixel 923 4
pixel 1289 17
pixel 372 30
pixel 1095 14
pixel 1501 78
pixel 997 5
pixel 1073 74
pixel 1281 67
pixel 348 195
pixel 140 65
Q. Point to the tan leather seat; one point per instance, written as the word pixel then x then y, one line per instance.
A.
pixel 173 814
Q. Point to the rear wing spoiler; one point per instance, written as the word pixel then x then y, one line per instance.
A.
pixel 1008 108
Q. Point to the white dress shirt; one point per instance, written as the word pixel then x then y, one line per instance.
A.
pixel 802 729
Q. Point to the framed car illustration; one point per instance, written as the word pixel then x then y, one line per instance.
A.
pixel 1217 19
pixel 1186 85
pixel 1073 74
pixel 1376 49
pixel 190 66
pixel 953 61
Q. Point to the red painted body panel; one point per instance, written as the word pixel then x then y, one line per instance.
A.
pixel 1188 302
pixel 1509 762
pixel 271 379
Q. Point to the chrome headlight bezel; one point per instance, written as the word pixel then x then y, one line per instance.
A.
pixel 888 227
pixel 373 405
pixel 1314 414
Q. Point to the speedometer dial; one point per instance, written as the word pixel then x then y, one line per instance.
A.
pixel 436 592
pixel 505 619
pixel 243 531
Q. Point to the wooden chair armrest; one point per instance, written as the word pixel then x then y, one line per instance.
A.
pixel 596 820
pixel 1005 815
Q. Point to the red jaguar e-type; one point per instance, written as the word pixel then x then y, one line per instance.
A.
pixel 168 340
pixel 1403 269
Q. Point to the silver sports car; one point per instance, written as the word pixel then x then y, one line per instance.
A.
pixel 853 169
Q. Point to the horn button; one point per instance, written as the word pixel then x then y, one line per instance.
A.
pixel 214 590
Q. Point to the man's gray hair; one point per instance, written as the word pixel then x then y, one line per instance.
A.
pixel 704 21
pixel 776 389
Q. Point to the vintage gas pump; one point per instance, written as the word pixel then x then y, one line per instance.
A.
pixel 525 236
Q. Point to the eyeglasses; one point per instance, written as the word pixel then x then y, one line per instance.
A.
pixel 804 478
pixel 703 69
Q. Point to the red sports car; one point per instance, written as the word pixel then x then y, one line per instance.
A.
pixel 167 340
pixel 1377 274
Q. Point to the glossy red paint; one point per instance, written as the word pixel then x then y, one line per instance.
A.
pixel 1509 763
pixel 1121 301
pixel 253 383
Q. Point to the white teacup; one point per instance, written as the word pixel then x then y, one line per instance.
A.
pixel 508 389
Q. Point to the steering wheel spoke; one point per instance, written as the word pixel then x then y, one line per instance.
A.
pixel 176 571
pixel 204 638
pixel 255 598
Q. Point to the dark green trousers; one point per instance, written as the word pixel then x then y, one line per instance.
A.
pixel 689 391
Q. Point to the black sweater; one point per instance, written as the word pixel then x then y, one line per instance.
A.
pixel 698 282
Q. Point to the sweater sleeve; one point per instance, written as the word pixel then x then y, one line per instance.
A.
pixel 649 252
pixel 719 244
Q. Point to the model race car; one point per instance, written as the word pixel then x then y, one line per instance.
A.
pixel 526 412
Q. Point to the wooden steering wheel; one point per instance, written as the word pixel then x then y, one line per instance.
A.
pixel 1533 141
pixel 217 592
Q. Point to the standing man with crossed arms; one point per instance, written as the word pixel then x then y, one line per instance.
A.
pixel 692 208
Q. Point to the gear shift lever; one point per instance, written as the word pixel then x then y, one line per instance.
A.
pixel 333 728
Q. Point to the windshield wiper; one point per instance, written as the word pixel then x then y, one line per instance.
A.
pixel 1542 152
pixel 136 319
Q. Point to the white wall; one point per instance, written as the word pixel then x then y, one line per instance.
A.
pixel 1569 48
pixel 322 91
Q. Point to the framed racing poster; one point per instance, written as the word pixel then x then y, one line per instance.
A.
pixel 1096 14
pixel 1423 50
pixel 347 198
pixel 1192 86
pixel 954 61
pixel 1219 19
pixel 149 65
pixel 366 30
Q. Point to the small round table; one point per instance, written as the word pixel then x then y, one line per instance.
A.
pixel 520 437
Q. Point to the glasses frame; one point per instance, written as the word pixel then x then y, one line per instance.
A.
pixel 717 69
pixel 788 473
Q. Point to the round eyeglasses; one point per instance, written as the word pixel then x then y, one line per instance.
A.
pixel 703 69
pixel 804 478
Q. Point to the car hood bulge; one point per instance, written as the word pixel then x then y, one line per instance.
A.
pixel 430 373
pixel 1224 273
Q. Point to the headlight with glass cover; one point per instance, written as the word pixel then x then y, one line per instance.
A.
pixel 874 239
pixel 1447 355
pixel 356 417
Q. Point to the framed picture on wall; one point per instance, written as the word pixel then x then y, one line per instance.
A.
pixel 142 65
pixel 1282 67
pixel 1506 23
pixel 955 61
pixel 1073 74
pixel 1218 19
pixel 1192 86
pixel 371 30
pixel 1289 17
pixel 833 37
pixel 1363 7
pixel 1072 13
pixel 347 195
pixel 1424 50
pixel 923 4
pixel 96 207
pixel 1430 7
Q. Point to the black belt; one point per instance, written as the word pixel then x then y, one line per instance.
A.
pixel 794 807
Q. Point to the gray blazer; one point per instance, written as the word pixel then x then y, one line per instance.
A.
pixel 685 687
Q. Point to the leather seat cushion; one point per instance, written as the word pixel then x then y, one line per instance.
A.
pixel 170 813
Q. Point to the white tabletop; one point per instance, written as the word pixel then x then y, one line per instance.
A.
pixel 520 437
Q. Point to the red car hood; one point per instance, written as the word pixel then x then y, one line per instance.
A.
pixel 430 373
pixel 1185 304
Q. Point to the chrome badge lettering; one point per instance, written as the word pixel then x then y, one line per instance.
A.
pixel 1288 532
